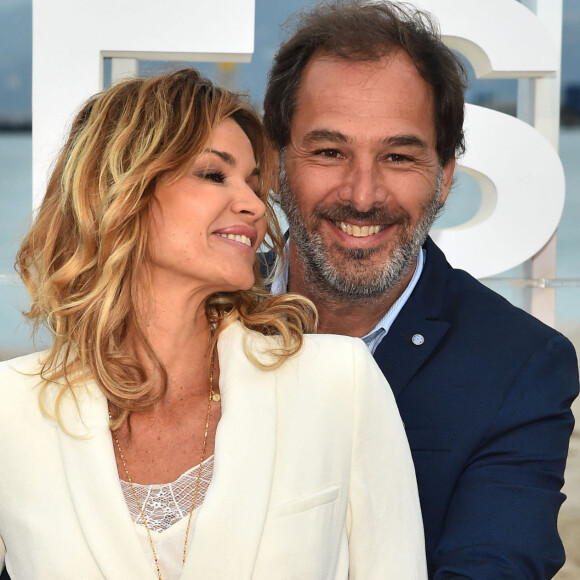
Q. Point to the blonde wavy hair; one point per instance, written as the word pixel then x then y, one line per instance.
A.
pixel 83 257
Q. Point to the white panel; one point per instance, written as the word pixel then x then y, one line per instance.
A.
pixel 501 38
pixel 522 184
pixel 71 37
pixel 516 164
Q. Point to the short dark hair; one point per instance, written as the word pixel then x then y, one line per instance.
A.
pixel 362 31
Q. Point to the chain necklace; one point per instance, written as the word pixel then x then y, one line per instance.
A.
pixel 213 396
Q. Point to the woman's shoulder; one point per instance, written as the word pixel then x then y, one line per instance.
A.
pixel 19 378
pixel 25 367
pixel 326 354
pixel 328 367
pixel 337 342
pixel 333 344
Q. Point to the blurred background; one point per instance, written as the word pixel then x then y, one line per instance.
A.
pixel 16 152
pixel 501 95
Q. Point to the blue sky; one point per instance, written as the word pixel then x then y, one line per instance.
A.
pixel 16 53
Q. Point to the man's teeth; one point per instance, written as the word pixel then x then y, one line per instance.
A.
pixel 237 238
pixel 359 231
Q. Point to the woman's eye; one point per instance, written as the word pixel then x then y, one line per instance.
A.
pixel 215 176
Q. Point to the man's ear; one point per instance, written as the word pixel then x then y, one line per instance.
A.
pixel 448 170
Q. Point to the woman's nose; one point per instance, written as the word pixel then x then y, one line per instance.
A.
pixel 248 202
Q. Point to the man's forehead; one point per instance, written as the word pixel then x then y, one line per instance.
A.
pixel 383 98
pixel 359 70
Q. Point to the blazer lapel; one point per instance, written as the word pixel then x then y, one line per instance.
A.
pixel 231 519
pixel 228 528
pixel 91 471
pixel 419 327
pixel 413 342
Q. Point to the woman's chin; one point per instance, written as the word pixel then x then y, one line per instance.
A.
pixel 237 285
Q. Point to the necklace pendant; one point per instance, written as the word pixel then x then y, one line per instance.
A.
pixel 216 397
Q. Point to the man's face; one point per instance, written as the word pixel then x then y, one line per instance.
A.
pixel 361 182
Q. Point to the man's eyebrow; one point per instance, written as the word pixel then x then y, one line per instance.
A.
pixel 327 135
pixel 318 135
pixel 406 141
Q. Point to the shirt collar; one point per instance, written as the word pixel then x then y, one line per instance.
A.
pixel 374 337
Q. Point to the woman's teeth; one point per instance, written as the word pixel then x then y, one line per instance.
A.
pixel 237 238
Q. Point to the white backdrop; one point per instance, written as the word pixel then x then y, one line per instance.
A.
pixel 514 161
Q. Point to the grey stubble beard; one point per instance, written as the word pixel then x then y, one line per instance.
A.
pixel 352 278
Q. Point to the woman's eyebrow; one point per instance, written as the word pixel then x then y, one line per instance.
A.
pixel 224 155
pixel 230 160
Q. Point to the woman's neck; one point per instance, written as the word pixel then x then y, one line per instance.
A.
pixel 176 325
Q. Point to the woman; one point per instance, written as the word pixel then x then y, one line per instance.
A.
pixel 139 262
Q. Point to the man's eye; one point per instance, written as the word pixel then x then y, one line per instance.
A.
pixel 215 176
pixel 398 158
pixel 331 153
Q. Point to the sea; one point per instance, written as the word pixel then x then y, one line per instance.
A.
pixel 15 211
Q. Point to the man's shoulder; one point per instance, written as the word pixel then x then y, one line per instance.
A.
pixel 468 298
pixel 464 299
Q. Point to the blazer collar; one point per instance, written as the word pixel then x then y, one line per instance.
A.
pixel 91 470
pixel 229 526
pixel 232 516
pixel 420 325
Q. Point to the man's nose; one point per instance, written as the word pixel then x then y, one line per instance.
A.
pixel 363 187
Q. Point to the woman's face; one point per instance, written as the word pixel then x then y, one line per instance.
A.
pixel 207 225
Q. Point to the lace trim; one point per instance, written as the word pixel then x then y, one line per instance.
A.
pixel 167 503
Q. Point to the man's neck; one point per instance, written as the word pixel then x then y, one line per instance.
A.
pixel 355 317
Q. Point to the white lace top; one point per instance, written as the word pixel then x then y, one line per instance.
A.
pixel 166 507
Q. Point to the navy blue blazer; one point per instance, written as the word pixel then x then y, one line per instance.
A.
pixel 485 400
pixel 485 395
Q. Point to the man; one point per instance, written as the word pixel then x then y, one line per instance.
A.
pixel 365 105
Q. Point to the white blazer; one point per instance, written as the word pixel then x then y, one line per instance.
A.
pixel 313 477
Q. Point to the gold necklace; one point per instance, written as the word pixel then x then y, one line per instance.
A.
pixel 213 396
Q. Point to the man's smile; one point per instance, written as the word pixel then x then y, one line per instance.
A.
pixel 359 231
